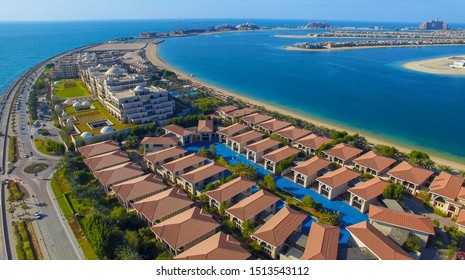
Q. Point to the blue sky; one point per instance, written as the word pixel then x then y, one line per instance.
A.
pixel 362 10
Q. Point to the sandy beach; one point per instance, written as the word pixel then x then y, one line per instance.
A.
pixel 290 48
pixel 152 56
pixel 438 66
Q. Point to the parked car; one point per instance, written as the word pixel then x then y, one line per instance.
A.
pixel 38 216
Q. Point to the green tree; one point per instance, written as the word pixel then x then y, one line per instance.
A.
pixel 244 170
pixel 247 228
pixel 308 201
pixel 222 209
pixel 445 168
pixel 398 192
pixel 131 142
pixel 126 253
pixel 98 232
pixel 387 151
pixel 338 134
pixel 203 152
pixel 367 176
pixel 164 256
pixel 132 239
pixel 412 243
pixel 119 216
pixel 330 218
pixel 254 246
pixel 269 183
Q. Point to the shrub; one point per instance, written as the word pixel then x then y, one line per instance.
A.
pixel 413 243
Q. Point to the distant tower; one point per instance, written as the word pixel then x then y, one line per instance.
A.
pixel 433 25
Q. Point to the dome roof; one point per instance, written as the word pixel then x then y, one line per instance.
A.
pixel 69 120
pixel 67 102
pixel 115 71
pixel 64 114
pixel 100 65
pixel 86 134
pixel 57 83
pixel 76 104
pixel 57 107
pixel 86 103
pixel 139 88
pixel 107 129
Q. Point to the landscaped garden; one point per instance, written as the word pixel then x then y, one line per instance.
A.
pixel 70 89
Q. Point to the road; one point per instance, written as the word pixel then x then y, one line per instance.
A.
pixel 53 232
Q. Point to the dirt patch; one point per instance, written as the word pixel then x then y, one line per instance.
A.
pixel 70 85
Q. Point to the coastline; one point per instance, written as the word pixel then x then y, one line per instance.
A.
pixel 438 66
pixel 290 48
pixel 151 52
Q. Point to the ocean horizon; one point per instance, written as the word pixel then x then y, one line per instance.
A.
pixel 366 90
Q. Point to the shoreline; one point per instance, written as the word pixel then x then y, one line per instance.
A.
pixel 291 48
pixel 437 66
pixel 151 52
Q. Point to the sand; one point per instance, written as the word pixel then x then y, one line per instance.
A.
pixel 290 48
pixel 152 56
pixel 120 46
pixel 439 66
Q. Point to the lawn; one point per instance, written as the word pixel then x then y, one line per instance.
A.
pixel 71 88
pixel 86 116
pixel 35 168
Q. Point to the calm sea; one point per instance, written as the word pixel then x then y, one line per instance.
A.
pixel 366 90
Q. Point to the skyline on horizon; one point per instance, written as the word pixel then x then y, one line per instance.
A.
pixel 356 10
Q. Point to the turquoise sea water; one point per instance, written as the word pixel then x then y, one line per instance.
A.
pixel 366 90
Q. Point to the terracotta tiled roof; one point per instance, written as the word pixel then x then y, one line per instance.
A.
pixel 139 187
pixel 99 148
pixel 159 141
pixel 274 125
pixel 461 193
pixel 183 162
pixel 410 173
pixel 374 161
pixel 401 219
pixel 447 185
pixel 343 151
pixel 338 177
pixel 220 246
pixel 311 166
pixel 233 129
pixel 118 174
pixel 230 189
pixel 186 227
pixel 178 130
pixel 161 205
pixel 165 154
pixel 293 132
pixel 322 242
pixel 256 118
pixel 106 160
pixel 253 205
pixel 263 145
pixel 277 229
pixel 379 244
pixel 226 109
pixel 202 173
pixel 461 218
pixel 281 154
pixel 240 112
pixel 205 126
pixel 313 141
pixel 247 137
pixel 370 189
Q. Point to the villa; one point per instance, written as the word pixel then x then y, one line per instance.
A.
pixel 118 174
pixel 336 182
pixel 305 173
pixel 322 242
pixel 101 148
pixel 155 160
pixel 273 234
pixel 162 206
pixel 366 193
pixel 311 143
pixel 448 193
pixel 273 158
pixel 137 189
pixel 373 163
pixel 220 246
pixel 342 154
pixel 237 143
pixel 196 180
pixel 173 169
pixel 254 152
pixel 412 177
pixel 399 225
pixel 365 235
pixel 230 192
pixel 183 135
pixel 253 208
pixel 292 133
pixel 206 130
pixel 461 221
pixel 254 119
pixel 222 111
pixel 272 125
pixel 235 129
pixel 107 160
pixel 185 230
pixel 155 144
pixel 236 114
